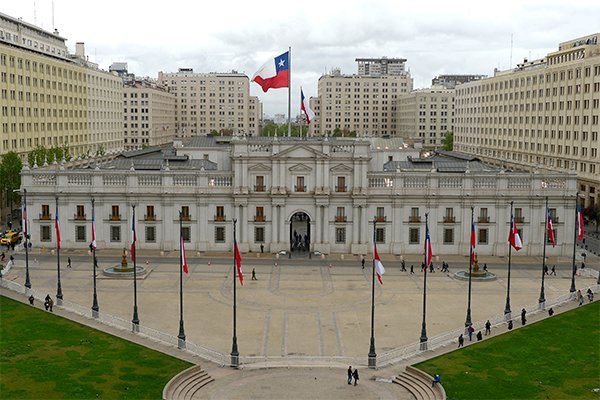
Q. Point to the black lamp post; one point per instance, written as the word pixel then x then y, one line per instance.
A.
pixel 468 322
pixel 235 354
pixel 95 308
pixel 372 354
pixel 423 338
pixel 27 280
pixel 507 311
pixel 135 322
pixel 181 336
pixel 542 299
pixel 59 295
pixel 574 269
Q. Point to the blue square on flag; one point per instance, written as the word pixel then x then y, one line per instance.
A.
pixel 281 62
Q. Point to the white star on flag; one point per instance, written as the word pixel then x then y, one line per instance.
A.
pixel 281 62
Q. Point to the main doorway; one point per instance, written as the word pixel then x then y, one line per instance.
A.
pixel 300 232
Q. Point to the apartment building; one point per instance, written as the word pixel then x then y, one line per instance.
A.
pixel 52 98
pixel 149 114
pixel 212 102
pixel 361 104
pixel 542 115
pixel 451 81
pixel 426 115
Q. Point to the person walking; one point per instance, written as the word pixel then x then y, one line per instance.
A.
pixel 262 248
pixel 510 325
pixel 350 375
pixel 403 266
pixel 50 304
pixel 412 269
pixel 254 274
pixel 362 262
pixel 550 312
pixel 422 267
pixel 523 319
pixel 546 269
pixel 470 331
pixel 355 376
pixel 479 336
pixel 488 328
pixel 69 262
pixel 579 297
pixel 590 295
pixel 485 267
pixel 553 270
pixel 461 341
pixel 31 299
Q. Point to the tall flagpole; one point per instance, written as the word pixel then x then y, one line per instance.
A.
pixel 181 336
pixel 95 308
pixel 289 92
pixel 27 280
pixel 468 322
pixel 542 299
pixel 507 312
pixel 59 295
pixel 423 338
pixel 372 354
pixel 574 270
pixel 135 322
pixel 235 354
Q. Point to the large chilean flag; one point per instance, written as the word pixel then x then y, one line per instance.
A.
pixel 274 74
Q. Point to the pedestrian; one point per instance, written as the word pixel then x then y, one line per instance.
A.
pixel 403 266
pixel 47 302
pixel 355 376
pixel 422 267
pixel 350 375
pixel 580 300
pixel 2 256
pixel 461 341
pixel 546 269
pixel 579 297
pixel 485 267
pixel 553 270
pixel 523 319
pixel 50 304
pixel 254 274
pixel 550 312
pixel 31 299
pixel 479 336
pixel 362 262
pixel 69 262
pixel 590 295
pixel 582 264
pixel 510 325
pixel 488 328
pixel 412 269
pixel 436 379
pixel 262 248
pixel 431 267
pixel 470 331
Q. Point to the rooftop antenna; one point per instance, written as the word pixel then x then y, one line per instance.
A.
pixel 53 15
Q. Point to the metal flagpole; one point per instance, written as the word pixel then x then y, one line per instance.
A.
pixel 507 312
pixel 290 91
pixel 135 322
pixel 423 338
pixel 27 281
pixel 59 295
pixel 181 336
pixel 574 271
pixel 95 308
pixel 542 299
pixel 468 322
pixel 235 354
pixel 372 354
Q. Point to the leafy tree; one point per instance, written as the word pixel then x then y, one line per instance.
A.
pixel 100 152
pixel 10 175
pixel 448 142
pixel 39 154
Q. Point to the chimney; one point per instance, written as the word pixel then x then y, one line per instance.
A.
pixel 80 50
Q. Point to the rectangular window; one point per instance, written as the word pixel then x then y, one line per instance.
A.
pixel 414 235
pixel 300 184
pixel 80 214
pixel 483 216
pixel 115 233
pixel 449 216
pixel 115 215
pixel 380 214
pixel 185 213
pixel 186 233
pixel 260 214
pixel 448 236
pixel 259 235
pixel 414 215
pixel 519 215
pixel 150 234
pixel 80 233
pixel 220 215
pixel 340 235
pixel 553 215
pixel 380 235
pixel 340 214
pixel 45 233
pixel 220 234
pixel 45 212
pixel 150 216
pixel 482 238
pixel 341 184
pixel 260 184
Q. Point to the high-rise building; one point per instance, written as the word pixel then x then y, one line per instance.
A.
pixel 426 115
pixel 212 102
pixel 52 98
pixel 362 104
pixel 380 66
pixel 149 114
pixel 541 115
pixel 451 81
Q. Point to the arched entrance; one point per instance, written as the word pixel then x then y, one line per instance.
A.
pixel 300 232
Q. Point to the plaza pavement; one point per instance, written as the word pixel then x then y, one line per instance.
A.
pixel 297 308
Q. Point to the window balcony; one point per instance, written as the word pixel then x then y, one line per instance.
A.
pixel 259 218
pixel 380 218
pixel 519 220
pixel 260 188
pixel 340 218
pixel 220 218
pixel 449 219
pixel 483 220
pixel 115 217
pixel 414 219
pixel 80 217
pixel 149 217
pixel 341 189
pixel 45 217
pixel 299 188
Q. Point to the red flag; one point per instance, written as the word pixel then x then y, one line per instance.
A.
pixel 379 270
pixel 57 227
pixel 133 240
pixel 579 224
pixel 428 251
pixel 550 229
pixel 472 242
pixel 274 73
pixel 238 262
pixel 183 258
pixel 93 244
pixel 513 235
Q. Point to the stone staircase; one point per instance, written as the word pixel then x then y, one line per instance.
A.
pixel 186 384
pixel 418 383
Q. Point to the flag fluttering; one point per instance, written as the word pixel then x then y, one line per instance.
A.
pixel 274 74
pixel 183 258
pixel 550 228
pixel 580 232
pixel 379 270
pixel 473 239
pixel 513 235
pixel 24 223
pixel 133 239
pixel 238 262
pixel 428 251
pixel 305 108
pixel 93 244
pixel 57 228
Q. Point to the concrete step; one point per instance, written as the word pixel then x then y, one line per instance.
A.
pixel 182 387
pixel 414 387
pixel 199 383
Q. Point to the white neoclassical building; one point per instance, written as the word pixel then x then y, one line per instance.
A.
pixel 317 193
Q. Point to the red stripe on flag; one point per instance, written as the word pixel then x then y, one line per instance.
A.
pixel 238 263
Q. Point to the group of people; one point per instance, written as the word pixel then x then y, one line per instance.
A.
pixel 352 375
pixel 300 243
pixel 589 294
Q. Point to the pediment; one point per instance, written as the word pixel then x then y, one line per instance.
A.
pixel 341 169
pixel 300 168
pixel 301 151
pixel 259 168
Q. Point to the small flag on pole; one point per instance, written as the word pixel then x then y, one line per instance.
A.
pixel 513 235
pixel 305 108
pixel 428 251
pixel 133 240
pixel 580 225
pixel 379 270
pixel 183 258
pixel 238 262
pixel 93 244
pixel 550 228
pixel 24 223
pixel 473 239
pixel 57 227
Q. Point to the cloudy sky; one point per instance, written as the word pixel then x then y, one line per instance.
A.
pixel 436 37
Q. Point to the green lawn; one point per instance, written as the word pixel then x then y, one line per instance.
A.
pixel 43 356
pixel 558 358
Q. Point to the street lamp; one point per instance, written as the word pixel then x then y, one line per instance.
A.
pixel 59 295
pixel 468 322
pixel 26 236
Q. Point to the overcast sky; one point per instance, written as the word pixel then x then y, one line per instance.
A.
pixel 436 37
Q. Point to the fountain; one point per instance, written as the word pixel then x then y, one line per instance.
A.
pixel 123 270
pixel 476 273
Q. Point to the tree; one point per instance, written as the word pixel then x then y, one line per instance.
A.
pixel 41 154
pixel 448 142
pixel 10 175
pixel 592 213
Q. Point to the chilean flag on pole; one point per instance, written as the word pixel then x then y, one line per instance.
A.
pixel 513 236
pixel 238 261
pixel 57 227
pixel 550 228
pixel 133 240
pixel 473 242
pixel 183 258
pixel 274 74
pixel 93 244
pixel 428 251
pixel 579 224
pixel 379 270
pixel 305 107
